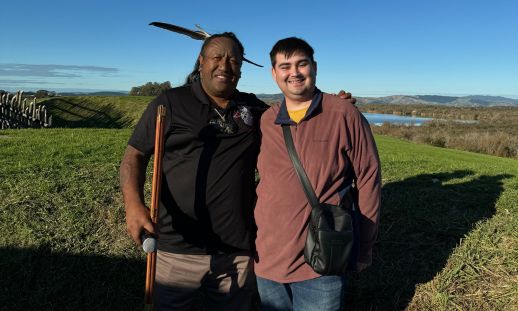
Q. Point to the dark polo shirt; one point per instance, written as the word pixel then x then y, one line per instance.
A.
pixel 208 188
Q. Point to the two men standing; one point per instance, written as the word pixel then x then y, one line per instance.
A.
pixel 206 224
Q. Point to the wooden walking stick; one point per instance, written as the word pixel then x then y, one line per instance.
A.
pixel 155 199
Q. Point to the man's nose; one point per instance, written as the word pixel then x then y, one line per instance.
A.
pixel 294 71
pixel 224 63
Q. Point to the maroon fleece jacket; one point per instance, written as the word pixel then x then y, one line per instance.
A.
pixel 335 144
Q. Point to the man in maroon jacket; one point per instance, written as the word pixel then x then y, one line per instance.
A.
pixel 336 148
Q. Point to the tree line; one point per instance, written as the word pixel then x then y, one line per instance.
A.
pixel 37 94
pixel 150 89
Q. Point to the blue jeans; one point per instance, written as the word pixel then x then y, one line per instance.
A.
pixel 325 293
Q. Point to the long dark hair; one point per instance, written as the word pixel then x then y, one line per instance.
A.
pixel 195 73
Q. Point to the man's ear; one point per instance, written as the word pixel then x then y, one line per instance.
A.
pixel 200 59
pixel 315 67
pixel 274 74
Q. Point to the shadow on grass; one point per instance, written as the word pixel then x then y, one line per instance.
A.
pixel 423 218
pixel 70 114
pixel 38 279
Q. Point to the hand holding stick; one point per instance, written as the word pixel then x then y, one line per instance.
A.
pixel 155 199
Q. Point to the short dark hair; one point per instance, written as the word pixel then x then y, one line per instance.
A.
pixel 195 74
pixel 290 46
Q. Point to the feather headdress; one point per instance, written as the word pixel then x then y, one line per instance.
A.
pixel 199 34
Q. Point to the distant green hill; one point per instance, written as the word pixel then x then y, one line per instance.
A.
pixel 463 101
pixel 96 111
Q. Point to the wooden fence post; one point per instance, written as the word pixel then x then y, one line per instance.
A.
pixel 16 113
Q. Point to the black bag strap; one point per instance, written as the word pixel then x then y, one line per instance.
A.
pixel 299 169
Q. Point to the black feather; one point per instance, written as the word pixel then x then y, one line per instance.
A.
pixel 195 34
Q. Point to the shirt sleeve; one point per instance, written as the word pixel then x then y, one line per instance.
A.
pixel 365 160
pixel 143 137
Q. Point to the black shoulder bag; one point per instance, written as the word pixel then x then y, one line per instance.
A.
pixel 329 243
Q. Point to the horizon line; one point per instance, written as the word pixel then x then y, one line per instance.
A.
pixel 359 94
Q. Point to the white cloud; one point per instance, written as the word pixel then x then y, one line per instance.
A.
pixel 53 71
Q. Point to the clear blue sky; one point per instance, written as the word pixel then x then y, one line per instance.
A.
pixel 370 48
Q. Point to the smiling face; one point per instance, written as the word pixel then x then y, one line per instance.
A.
pixel 220 68
pixel 296 76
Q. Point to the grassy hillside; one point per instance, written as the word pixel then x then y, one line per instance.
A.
pixel 448 238
pixel 96 111
pixel 494 132
pixel 62 236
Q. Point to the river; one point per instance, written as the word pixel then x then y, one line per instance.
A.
pixel 379 118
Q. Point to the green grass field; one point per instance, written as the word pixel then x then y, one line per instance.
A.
pixel 96 111
pixel 448 238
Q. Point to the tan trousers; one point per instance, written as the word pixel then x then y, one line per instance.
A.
pixel 226 281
